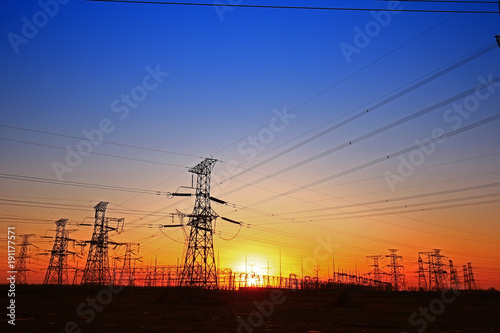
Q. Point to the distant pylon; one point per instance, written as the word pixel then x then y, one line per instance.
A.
pixel 465 271
pixel 376 272
pixel 96 270
pixel 57 271
pixel 453 276
pixel 472 282
pixel 127 271
pixel 199 263
pixel 422 282
pixel 439 272
pixel 397 278
pixel 21 259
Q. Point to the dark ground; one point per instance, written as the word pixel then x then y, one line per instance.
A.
pixel 49 309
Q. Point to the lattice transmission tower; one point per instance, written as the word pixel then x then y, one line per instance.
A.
pixel 21 259
pixel 57 271
pixel 96 270
pixel 469 282
pixel 439 271
pixel 199 263
pixel 453 276
pixel 422 281
pixel 376 272
pixel 397 278
pixel 127 273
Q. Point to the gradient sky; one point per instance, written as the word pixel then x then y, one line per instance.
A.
pixel 228 77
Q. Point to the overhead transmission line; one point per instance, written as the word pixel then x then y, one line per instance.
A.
pixel 298 7
pixel 417 84
pixel 383 158
pixel 98 141
pixel 79 184
pixel 94 153
pixel 366 136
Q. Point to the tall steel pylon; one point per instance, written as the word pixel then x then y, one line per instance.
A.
pixel 128 271
pixel 21 259
pixel 439 271
pixel 57 271
pixel 422 281
pixel 96 270
pixel 199 263
pixel 397 278
pixel 471 282
pixel 453 276
pixel 377 273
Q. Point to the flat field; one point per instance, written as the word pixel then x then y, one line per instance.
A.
pixel 80 309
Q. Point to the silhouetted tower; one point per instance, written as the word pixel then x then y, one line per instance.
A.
pixel 466 277
pixel 199 264
pixel 472 282
pixel 96 270
pixel 21 259
pixel 453 276
pixel 422 280
pixel 127 271
pixel 438 270
pixel 375 271
pixel 397 278
pixel 57 272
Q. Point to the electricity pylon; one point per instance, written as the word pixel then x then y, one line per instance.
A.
pixel 453 276
pixel 422 281
pixel 127 271
pixel 57 271
pixel 472 282
pixel 397 278
pixel 377 273
pixel 439 272
pixel 96 270
pixel 199 264
pixel 21 259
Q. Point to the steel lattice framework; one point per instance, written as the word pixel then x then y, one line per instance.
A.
pixel 57 271
pixel 21 260
pixel 97 267
pixel 397 278
pixel 199 263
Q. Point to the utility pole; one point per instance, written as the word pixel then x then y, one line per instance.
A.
pixel 57 271
pixel 199 264
pixel 21 260
pixel 397 278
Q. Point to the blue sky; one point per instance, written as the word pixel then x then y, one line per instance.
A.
pixel 225 78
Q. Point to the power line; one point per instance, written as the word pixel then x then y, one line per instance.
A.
pixel 79 184
pixel 369 134
pixel 298 7
pixel 419 83
pixel 384 158
pixel 98 141
pixel 93 152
